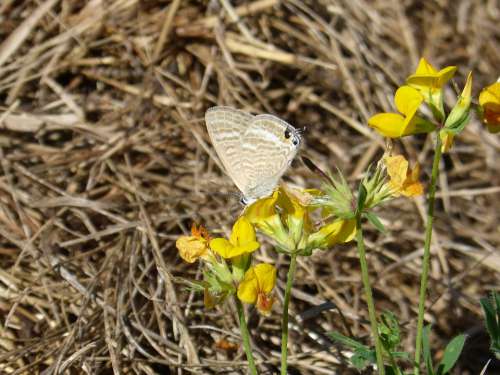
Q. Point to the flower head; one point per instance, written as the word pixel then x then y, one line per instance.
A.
pixel 241 241
pixel 429 82
pixel 489 100
pixel 285 217
pixel 403 180
pixel 257 286
pixel 395 125
pixel 195 246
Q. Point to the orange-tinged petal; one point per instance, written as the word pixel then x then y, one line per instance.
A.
pixel 390 125
pixel 266 277
pixel 191 248
pixel 403 180
pixel 489 100
pixel 397 169
pixel 257 285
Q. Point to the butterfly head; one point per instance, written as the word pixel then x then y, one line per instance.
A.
pixel 292 135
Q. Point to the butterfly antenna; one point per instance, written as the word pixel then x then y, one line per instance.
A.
pixel 315 169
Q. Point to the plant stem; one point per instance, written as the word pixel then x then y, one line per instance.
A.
pixel 246 337
pixel 369 295
pixel 427 253
pixel 284 324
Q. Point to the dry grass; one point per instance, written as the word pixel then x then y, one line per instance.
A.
pixel 105 161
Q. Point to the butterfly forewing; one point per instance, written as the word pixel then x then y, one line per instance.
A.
pixel 266 154
pixel 225 127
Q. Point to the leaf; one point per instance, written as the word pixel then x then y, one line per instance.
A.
pixel 389 331
pixel 490 318
pixel 372 218
pixel 426 350
pixel 347 341
pixel 361 198
pixel 362 353
pixel 451 354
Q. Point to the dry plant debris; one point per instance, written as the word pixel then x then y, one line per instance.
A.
pixel 105 161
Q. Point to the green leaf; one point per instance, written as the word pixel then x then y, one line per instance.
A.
pixel 426 350
pixel 492 325
pixel 362 356
pixel 451 354
pixel 361 198
pixel 372 218
pixel 389 331
pixel 347 341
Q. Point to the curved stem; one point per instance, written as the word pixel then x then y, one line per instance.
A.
pixel 369 295
pixel 246 337
pixel 427 253
pixel 284 324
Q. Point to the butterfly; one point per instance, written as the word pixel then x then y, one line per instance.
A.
pixel 254 150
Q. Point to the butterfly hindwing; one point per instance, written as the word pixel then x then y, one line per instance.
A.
pixel 225 127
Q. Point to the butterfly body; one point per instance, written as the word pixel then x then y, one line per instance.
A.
pixel 254 150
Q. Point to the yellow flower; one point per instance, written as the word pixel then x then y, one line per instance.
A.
pixel 271 214
pixel 195 246
pixel 429 82
pixel 257 286
pixel 339 231
pixel 403 180
pixel 242 240
pixel 395 125
pixel 489 100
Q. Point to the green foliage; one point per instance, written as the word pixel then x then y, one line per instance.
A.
pixel 363 355
pixel 362 193
pixel 451 353
pixel 389 332
pixel 338 198
pixel 375 221
pixel 491 308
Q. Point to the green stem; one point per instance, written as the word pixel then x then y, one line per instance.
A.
pixel 369 295
pixel 284 324
pixel 246 337
pixel 427 253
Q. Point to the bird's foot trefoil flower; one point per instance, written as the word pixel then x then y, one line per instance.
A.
pixel 256 287
pixel 407 122
pixel 429 82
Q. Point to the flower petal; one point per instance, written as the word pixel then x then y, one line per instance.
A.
pixel 266 277
pixel 407 100
pixel 424 67
pixel 248 288
pixel 191 248
pixel 489 99
pixel 222 247
pixel 388 124
pixel 243 232
pixel 262 209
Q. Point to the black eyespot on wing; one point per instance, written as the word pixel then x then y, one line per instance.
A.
pixel 288 133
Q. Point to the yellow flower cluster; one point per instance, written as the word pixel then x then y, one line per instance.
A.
pixel 254 284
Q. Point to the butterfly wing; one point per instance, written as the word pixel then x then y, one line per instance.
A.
pixel 268 146
pixel 226 127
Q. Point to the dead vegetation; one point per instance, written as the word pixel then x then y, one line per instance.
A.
pixel 105 160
